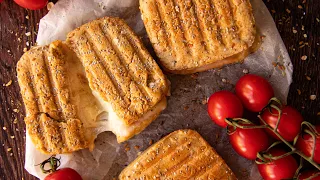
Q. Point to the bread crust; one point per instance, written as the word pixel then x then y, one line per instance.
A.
pixel 183 154
pixel 189 34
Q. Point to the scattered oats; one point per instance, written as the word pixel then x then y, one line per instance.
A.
pixel 8 83
pixel 205 101
pixel 19 39
pixel 50 5
pixel 299 91
pixel 12 137
pixel 294 31
pixel 11 154
pixel 27 43
pixel 15 110
pixel 299 6
pixel 9 149
pixel 288 11
pixel 318 19
pixel 28 34
pixel 17 129
pixel 313 97
pixel 224 80
pixel 302 27
pixel 305 35
pixel 27 17
pixel 8 51
pixel 304 1
pixel 15 121
pixel 304 57
pixel 308 78
pixel 245 71
pixel 25 49
pixel 4 128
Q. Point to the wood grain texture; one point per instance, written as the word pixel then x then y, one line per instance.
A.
pixel 14 24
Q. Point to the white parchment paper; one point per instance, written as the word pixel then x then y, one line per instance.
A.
pixel 186 106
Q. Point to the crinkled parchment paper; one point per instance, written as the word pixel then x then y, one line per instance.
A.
pixel 186 106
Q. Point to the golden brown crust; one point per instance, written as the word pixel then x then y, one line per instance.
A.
pixel 183 154
pixel 118 67
pixel 51 112
pixel 189 34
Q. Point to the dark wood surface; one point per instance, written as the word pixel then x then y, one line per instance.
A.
pixel 289 15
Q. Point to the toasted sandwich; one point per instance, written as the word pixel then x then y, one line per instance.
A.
pixel 183 154
pixel 57 98
pixel 123 76
pixel 101 79
pixel 192 36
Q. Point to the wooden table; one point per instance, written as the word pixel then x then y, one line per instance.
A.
pixel 297 20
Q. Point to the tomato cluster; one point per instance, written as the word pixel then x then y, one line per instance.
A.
pixel 255 94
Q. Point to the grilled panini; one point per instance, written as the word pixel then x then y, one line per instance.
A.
pixel 121 73
pixel 195 35
pixel 57 98
pixel 183 154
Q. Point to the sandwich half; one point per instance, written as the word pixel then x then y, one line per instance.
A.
pixel 123 76
pixel 58 101
pixel 196 35
pixel 183 154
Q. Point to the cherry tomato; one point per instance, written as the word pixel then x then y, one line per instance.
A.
pixel 307 174
pixel 283 168
pixel 64 174
pixel 289 125
pixel 305 145
pixel 248 142
pixel 222 105
pixel 254 92
pixel 32 4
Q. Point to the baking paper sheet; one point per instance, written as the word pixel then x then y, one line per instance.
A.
pixel 187 104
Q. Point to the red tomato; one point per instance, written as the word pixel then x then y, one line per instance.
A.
pixel 305 145
pixel 254 92
pixel 248 142
pixel 222 105
pixel 306 174
pixel 290 122
pixel 64 174
pixel 32 4
pixel 283 168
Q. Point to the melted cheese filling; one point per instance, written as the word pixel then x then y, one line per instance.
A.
pixel 111 122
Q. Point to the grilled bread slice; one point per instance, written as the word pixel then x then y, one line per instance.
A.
pixel 121 73
pixel 195 35
pixel 183 154
pixel 57 98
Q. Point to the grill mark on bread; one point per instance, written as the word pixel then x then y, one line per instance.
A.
pixel 106 67
pixel 43 86
pixel 199 28
pixel 151 66
pixel 204 9
pixel 176 10
pixel 59 79
pixel 126 60
pixel 172 31
pixel 52 86
pixel 225 19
